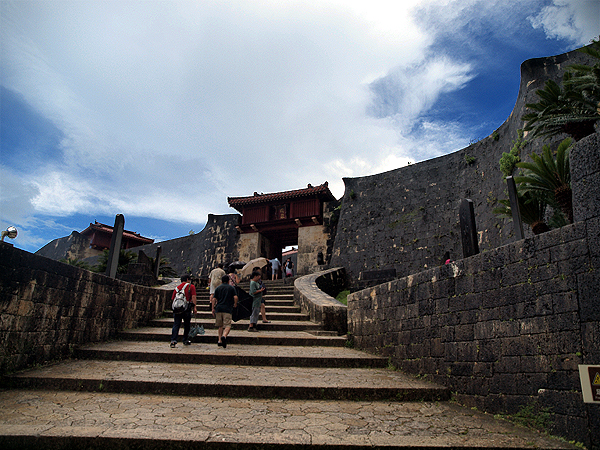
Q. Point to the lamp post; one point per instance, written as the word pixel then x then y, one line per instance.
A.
pixel 11 232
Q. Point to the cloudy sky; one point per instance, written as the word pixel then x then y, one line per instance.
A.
pixel 160 110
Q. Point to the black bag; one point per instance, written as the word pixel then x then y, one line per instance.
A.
pixel 244 307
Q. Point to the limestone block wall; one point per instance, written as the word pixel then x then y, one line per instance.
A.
pixel 310 293
pixel 249 246
pixel 311 241
pixel 47 307
pixel 407 219
pixel 585 178
pixel 503 329
pixel 74 246
pixel 201 252
pixel 506 328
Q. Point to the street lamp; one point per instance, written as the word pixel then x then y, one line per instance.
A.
pixel 11 232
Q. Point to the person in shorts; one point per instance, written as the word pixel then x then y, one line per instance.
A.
pixel 275 266
pixel 223 301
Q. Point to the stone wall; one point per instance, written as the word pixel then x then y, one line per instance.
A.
pixel 199 253
pixel 407 219
pixel 74 246
pixel 249 245
pixel 311 241
pixel 47 307
pixel 311 294
pixel 507 328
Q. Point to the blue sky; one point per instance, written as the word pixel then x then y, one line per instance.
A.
pixel 160 110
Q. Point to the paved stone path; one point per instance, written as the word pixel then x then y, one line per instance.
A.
pixel 241 420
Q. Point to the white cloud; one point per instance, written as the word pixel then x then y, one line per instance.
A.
pixel 15 202
pixel 168 103
pixel 574 20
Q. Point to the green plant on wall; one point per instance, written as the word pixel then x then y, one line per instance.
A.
pixel 165 268
pixel 509 160
pixel 532 208
pixel 531 416
pixel 342 297
pixel 125 257
pixel 76 262
pixel 542 183
pixel 550 176
pixel 573 108
pixel 469 159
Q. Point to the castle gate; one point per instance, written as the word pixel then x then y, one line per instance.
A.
pixel 272 222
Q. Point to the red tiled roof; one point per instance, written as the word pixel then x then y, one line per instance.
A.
pixel 321 192
pixel 97 226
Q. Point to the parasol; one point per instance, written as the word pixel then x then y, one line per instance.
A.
pixel 247 269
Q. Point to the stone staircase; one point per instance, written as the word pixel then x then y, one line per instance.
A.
pixel 289 385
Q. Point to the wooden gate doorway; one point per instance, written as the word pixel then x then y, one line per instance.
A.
pixel 272 222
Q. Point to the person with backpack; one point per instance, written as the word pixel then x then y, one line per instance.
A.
pixel 288 267
pixel 184 304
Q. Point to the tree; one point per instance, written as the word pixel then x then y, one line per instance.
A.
pixel 165 268
pixel 574 108
pixel 76 262
pixel 550 177
pixel 125 257
pixel 532 207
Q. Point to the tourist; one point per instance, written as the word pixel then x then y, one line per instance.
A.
pixel 185 316
pixel 289 268
pixel 233 277
pixel 275 266
pixel 256 291
pixel 263 308
pixel 215 277
pixel 223 301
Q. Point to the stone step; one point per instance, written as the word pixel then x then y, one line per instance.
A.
pixel 270 299
pixel 272 294
pixel 274 316
pixel 241 355
pixel 269 285
pixel 287 338
pixel 270 308
pixel 43 419
pixel 210 380
pixel 279 325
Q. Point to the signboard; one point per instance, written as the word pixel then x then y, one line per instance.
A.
pixel 590 383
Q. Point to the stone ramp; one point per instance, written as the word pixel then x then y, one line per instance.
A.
pixel 82 420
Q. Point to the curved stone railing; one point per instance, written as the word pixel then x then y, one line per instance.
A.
pixel 321 307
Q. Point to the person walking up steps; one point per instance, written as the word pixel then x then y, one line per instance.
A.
pixel 256 292
pixel 275 266
pixel 185 315
pixel 215 279
pixel 224 300
pixel 288 268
